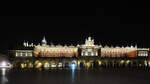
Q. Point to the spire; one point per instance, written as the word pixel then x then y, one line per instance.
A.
pixel 44 42
pixel 44 38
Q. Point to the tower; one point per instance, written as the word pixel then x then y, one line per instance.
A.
pixel 44 42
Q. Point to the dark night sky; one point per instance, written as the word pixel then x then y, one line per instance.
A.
pixel 123 25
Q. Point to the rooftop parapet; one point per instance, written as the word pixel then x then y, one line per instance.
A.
pixel 143 49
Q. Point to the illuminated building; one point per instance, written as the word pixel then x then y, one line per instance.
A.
pixel 143 52
pixel 118 51
pixel 89 49
pixel 45 50
pixel 25 51
pixel 87 55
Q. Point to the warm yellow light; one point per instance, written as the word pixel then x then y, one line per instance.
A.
pixel 78 63
pixel 128 61
pixel 46 65
pixel 140 65
pixel 36 62
pixel 22 65
pixel 88 64
pixel 122 61
pixel 39 65
pixel 30 65
pixel 100 63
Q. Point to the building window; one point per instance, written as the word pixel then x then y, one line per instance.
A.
pixel 143 53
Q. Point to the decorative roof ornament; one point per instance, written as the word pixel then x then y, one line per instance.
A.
pixel 32 45
pixel 106 46
pixel 89 42
pixel 24 44
pixel 136 46
pixel 131 46
pixel 112 46
pixel 100 45
pixel 27 44
pixel 44 42
pixel 127 46
pixel 89 38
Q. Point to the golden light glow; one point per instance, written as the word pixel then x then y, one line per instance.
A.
pixel 46 65
pixel 128 61
pixel 30 65
pixel 22 65
pixel 100 63
pixel 88 64
pixel 79 63
pixel 38 65
pixel 122 61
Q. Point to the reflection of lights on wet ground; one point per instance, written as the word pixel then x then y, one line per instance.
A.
pixel 73 67
pixel 4 65
pixel 4 79
pixel 3 71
